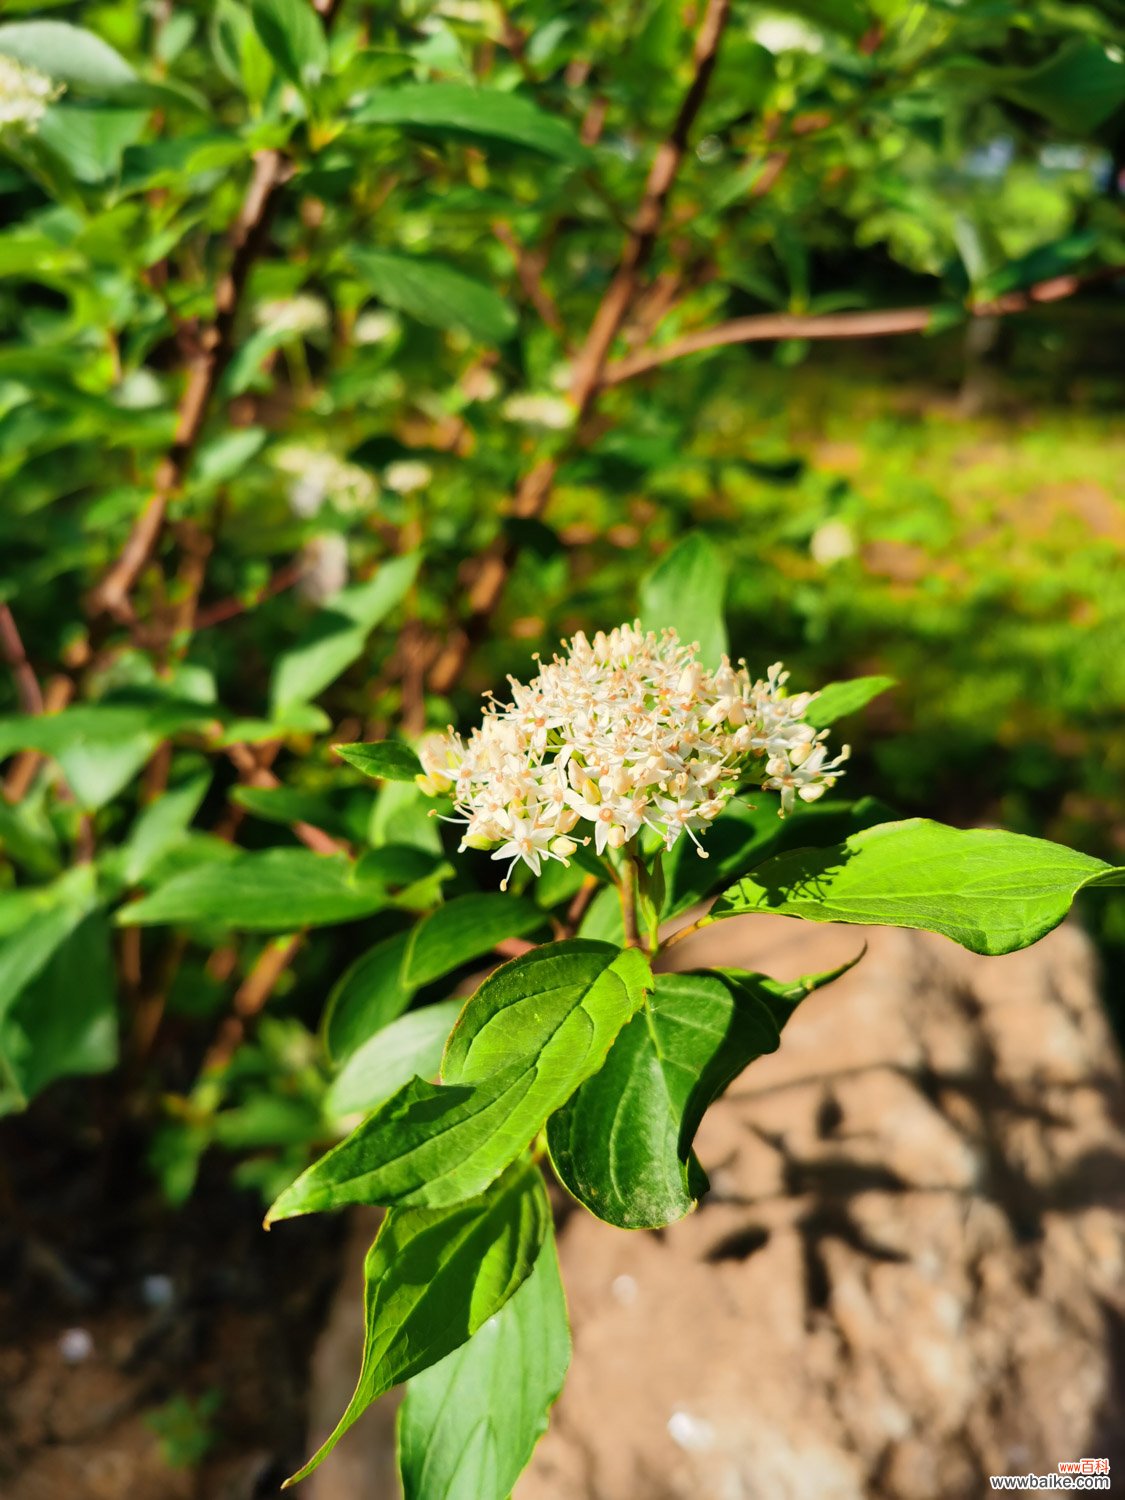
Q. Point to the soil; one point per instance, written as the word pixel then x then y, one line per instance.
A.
pixel 133 1337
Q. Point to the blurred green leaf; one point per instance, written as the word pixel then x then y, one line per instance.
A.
pixel 435 293
pixel 464 112
pixel 407 1048
pixel 292 33
pixel 686 590
pixel 386 760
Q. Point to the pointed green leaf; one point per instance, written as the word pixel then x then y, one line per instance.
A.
pixel 686 590
pixel 434 1276
pixel 436 294
pixel 535 1030
pixel 276 890
pixel 338 634
pixel 469 1425
pixel 990 891
pixel 839 699
pixel 463 929
pixel 463 111
pixel 367 997
pixel 293 35
pixel 389 760
pixel 622 1143
pixel 409 1047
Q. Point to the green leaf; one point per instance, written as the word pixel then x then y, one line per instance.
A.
pixel 622 1143
pixel 536 1029
pixel 464 929
pixel 292 34
pixel 275 890
pixel 160 826
pixel 239 51
pixel 1077 89
pixel 685 590
pixel 69 54
pixel 990 891
pixel 338 634
pixel 469 1425
pixel 461 111
pixel 409 1047
pixel 42 920
pixel 839 699
pixel 367 997
pixel 744 835
pixel 436 293
pixel 64 1022
pixel 436 1275
pixel 390 760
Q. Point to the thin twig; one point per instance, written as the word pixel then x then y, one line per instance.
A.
pixel 28 691
pixel 214 350
pixel 686 932
pixel 250 997
pixel 628 891
pixel 534 490
pixel 851 325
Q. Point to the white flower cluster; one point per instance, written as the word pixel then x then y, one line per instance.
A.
pixel 24 94
pixel 624 732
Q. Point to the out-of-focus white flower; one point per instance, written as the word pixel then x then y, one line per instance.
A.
pixel 304 313
pixel 318 476
pixel 324 567
pixel 406 475
pixel 831 543
pixel 539 409
pixel 375 325
pixel 24 94
pixel 625 732
pixel 779 34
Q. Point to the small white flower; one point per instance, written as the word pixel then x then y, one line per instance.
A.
pixel 319 476
pixel 831 543
pixel 626 732
pixel 300 314
pixel 406 475
pixel 375 325
pixel 25 94
pixel 539 409
pixel 779 34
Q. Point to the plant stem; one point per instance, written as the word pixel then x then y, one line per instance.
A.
pixel 628 891
pixel 683 932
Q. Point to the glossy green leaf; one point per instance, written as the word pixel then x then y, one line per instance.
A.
pixel 465 112
pixel 990 891
pixel 434 1276
pixel 410 1047
pixel 622 1144
pixel 839 699
pixel 536 1029
pixel 276 890
pixel 468 1425
pixel 160 826
pixel 293 35
pixel 436 293
pixel 748 832
pixel 69 54
pixel 389 760
pixel 685 590
pixel 63 1023
pixel 463 929
pixel 1077 89
pixel 338 634
pixel 367 997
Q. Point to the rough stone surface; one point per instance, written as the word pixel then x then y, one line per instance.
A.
pixel 910 1273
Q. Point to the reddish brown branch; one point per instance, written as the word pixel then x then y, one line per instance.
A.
pixel 530 265
pixel 666 164
pixel 534 489
pixel 228 609
pixel 250 997
pixel 853 325
pixel 213 353
pixel 28 691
